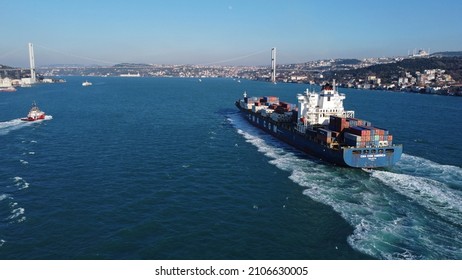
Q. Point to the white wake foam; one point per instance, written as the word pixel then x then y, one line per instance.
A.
pixel 421 167
pixel 387 212
pixel 16 212
pixel 431 194
pixel 20 183
pixel 8 126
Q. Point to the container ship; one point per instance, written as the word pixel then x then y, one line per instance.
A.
pixel 319 126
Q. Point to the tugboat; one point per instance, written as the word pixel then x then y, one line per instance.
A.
pixel 35 114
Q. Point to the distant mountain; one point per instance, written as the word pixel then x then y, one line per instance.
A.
pixel 446 54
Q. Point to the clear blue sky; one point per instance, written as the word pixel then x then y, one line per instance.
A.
pixel 226 32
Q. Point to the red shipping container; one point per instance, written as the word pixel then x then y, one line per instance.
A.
pixel 356 130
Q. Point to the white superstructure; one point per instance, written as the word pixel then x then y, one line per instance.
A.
pixel 317 107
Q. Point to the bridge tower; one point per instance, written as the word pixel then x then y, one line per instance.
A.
pixel 273 65
pixel 32 64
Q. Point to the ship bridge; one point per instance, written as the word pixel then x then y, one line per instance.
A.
pixel 317 107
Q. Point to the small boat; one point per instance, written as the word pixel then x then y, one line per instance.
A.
pixel 86 84
pixel 35 114
pixel 8 89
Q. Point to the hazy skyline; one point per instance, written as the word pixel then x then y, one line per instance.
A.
pixel 223 32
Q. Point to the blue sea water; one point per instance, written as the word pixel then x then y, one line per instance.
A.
pixel 165 168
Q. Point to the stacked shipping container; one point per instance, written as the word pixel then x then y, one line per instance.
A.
pixel 352 132
pixel 367 136
pixel 360 133
pixel 270 106
pixel 271 99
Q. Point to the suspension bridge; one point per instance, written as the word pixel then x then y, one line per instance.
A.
pixel 147 69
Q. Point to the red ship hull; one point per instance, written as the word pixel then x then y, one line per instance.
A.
pixel 41 117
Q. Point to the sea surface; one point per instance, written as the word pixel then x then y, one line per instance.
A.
pixel 166 168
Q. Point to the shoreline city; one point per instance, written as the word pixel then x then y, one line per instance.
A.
pixel 419 72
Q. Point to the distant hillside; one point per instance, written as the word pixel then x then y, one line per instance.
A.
pixel 8 72
pixel 351 61
pixel 387 72
pixel 132 65
pixel 69 66
pixel 446 54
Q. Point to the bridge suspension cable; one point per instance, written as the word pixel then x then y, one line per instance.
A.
pixel 77 56
pixel 10 53
pixel 235 58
